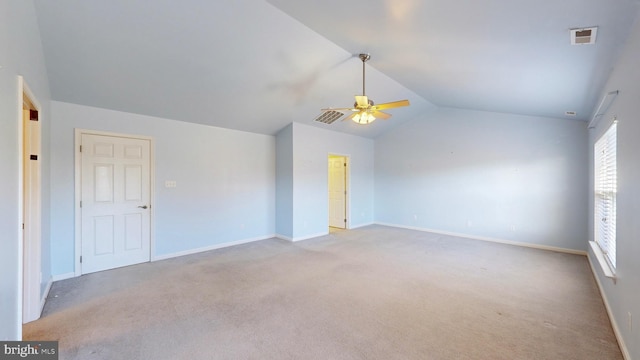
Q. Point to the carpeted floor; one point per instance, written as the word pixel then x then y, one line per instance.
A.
pixel 371 293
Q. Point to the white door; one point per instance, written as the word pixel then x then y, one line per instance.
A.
pixel 337 192
pixel 115 202
pixel 31 216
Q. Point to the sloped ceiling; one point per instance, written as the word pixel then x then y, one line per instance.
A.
pixel 256 66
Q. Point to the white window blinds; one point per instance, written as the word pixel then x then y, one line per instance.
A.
pixel 605 194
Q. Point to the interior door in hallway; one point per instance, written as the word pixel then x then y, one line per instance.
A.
pixel 338 191
pixel 115 201
pixel 31 207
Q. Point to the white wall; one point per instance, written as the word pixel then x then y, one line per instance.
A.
pixel 225 181
pixel 623 296
pixel 489 175
pixel 311 149
pixel 20 54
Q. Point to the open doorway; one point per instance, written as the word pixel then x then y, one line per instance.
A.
pixel 30 193
pixel 338 191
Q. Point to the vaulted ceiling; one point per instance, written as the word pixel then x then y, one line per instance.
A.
pixel 256 66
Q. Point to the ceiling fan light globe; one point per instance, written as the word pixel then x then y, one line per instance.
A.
pixel 363 118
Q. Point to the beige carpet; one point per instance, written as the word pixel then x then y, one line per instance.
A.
pixel 371 293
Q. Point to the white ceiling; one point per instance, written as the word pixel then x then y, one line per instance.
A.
pixel 256 66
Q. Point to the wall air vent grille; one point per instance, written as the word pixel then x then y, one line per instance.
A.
pixel 329 116
pixel 583 36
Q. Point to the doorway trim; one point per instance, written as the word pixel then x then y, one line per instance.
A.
pixel 30 299
pixel 78 191
pixel 347 199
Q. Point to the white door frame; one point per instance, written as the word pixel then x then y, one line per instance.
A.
pixel 30 302
pixel 78 191
pixel 347 185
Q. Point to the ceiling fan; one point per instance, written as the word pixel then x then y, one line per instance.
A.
pixel 365 111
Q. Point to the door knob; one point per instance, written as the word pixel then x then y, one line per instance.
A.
pixel 143 207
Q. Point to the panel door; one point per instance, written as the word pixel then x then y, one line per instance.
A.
pixel 115 190
pixel 337 196
pixel 31 219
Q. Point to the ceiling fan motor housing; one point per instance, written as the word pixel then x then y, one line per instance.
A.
pixel 371 103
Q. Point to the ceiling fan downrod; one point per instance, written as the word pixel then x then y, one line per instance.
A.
pixel 364 58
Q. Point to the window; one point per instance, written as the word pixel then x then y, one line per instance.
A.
pixel 605 184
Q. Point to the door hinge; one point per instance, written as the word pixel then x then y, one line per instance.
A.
pixel 345 192
pixel 80 148
pixel 80 259
pixel 80 203
pixel 33 115
pixel 345 164
pixel 22 226
pixel 33 157
pixel 345 220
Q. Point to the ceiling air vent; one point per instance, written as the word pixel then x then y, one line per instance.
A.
pixel 583 36
pixel 329 116
pixel 570 113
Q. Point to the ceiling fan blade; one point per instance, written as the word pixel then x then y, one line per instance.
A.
pixel 380 115
pixel 337 109
pixel 362 101
pixel 350 116
pixel 391 105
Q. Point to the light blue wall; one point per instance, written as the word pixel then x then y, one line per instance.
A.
pixel 624 295
pixel 311 148
pixel 284 182
pixel 225 181
pixel 491 175
pixel 20 54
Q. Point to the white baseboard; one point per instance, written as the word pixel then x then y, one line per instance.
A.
pixel 307 237
pixel 45 294
pixel 300 238
pixel 612 319
pixel 489 239
pixel 66 276
pixel 360 225
pixel 284 237
pixel 209 248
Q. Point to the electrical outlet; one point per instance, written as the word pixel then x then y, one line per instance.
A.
pixel 170 184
